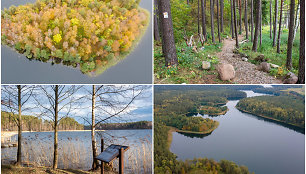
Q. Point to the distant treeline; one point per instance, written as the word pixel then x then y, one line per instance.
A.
pixel 32 123
pixel 129 125
pixel 287 109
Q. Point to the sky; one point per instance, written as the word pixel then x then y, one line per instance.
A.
pixel 139 110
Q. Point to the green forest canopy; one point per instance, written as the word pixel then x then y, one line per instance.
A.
pixel 283 108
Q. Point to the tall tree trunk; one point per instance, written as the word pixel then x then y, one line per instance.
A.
pixel 246 19
pixel 257 24
pixel 280 27
pixel 19 127
pixel 199 17
pixel 221 13
pixel 168 43
pixel 232 20
pixel 275 23
pixel 301 75
pixel 55 154
pixel 296 25
pixel 260 29
pixel 290 36
pixel 218 20
pixel 203 2
pixel 252 20
pixel 235 24
pixel 240 15
pixel 212 20
pixel 270 19
pixel 95 164
pixel 156 30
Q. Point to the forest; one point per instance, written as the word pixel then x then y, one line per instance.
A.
pixel 91 34
pixel 166 162
pixel 174 106
pixel 118 126
pixel 32 123
pixel 281 108
pixel 234 41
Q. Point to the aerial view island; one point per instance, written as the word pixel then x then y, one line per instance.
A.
pixel 230 129
pixel 91 35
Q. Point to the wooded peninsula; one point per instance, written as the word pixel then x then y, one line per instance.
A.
pixel 175 107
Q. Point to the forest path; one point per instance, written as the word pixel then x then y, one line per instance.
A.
pixel 246 72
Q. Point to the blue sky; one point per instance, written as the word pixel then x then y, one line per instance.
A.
pixel 140 109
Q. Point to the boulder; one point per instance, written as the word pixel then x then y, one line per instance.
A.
pixel 206 65
pixel 291 78
pixel 226 71
pixel 244 59
pixel 264 66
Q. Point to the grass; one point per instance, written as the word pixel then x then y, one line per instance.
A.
pixel 189 69
pixel 75 154
pixel 270 52
pixel 12 169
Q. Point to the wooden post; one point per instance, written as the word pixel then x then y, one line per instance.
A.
pixel 121 161
pixel 102 163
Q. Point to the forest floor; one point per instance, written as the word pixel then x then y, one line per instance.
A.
pixel 246 72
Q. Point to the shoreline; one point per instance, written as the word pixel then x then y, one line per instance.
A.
pixel 173 129
pixel 269 118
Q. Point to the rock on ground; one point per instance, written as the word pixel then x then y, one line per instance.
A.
pixel 291 78
pixel 226 71
pixel 264 66
pixel 206 65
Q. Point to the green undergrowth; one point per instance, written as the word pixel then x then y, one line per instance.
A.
pixel 189 68
pixel 270 52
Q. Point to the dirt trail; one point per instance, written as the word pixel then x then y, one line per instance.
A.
pixel 246 72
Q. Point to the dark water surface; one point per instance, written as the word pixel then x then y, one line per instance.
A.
pixel 135 68
pixel 74 149
pixel 264 147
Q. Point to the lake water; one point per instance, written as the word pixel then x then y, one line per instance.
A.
pixel 75 149
pixel 136 68
pixel 264 147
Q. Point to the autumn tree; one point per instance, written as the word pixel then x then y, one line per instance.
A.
pixel 168 44
pixel 290 36
pixel 13 100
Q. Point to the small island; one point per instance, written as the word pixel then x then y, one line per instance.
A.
pixel 89 34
